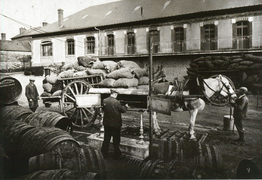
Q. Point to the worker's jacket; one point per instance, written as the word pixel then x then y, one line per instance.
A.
pixel 112 112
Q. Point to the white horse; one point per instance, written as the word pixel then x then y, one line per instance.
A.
pixel 219 85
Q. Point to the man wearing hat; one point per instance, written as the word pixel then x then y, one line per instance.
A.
pixel 32 95
pixel 240 111
pixel 112 122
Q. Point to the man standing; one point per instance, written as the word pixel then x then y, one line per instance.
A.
pixel 32 95
pixel 240 112
pixel 112 122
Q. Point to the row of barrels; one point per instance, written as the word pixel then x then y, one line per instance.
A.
pixel 38 119
pixel 27 149
pixel 177 169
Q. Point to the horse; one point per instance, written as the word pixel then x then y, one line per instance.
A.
pixel 219 85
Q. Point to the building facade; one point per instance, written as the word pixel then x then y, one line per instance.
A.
pixel 179 32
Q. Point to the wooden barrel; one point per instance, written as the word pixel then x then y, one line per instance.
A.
pixel 168 150
pixel 204 155
pixel 250 169
pixel 15 112
pixel 67 158
pixel 40 140
pixel 60 174
pixel 5 166
pixel 13 130
pixel 159 169
pixel 209 157
pixel 10 90
pixel 94 160
pixel 49 119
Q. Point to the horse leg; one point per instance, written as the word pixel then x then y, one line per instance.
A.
pixel 156 127
pixel 193 114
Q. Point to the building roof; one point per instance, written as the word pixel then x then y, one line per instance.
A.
pixel 127 11
pixel 7 45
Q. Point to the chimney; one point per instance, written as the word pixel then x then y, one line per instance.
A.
pixel 22 30
pixel 3 36
pixel 60 18
pixel 44 24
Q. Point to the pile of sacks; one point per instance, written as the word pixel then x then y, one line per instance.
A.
pixel 122 74
pixel 248 63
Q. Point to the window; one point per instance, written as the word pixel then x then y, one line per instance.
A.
pixel 154 34
pixel 46 48
pixel 111 44
pixel 209 37
pixel 90 42
pixel 179 39
pixel 242 34
pixel 70 46
pixel 131 43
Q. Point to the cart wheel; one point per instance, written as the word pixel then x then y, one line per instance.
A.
pixel 217 99
pixel 80 116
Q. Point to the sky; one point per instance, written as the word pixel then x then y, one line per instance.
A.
pixel 31 13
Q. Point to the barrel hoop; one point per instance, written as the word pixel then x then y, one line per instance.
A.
pixel 152 167
pixel 145 169
pixel 101 165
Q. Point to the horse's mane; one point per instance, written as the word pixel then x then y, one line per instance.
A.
pixel 196 86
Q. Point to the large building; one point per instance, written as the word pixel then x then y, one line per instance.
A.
pixel 180 31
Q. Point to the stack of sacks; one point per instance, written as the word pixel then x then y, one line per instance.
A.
pixel 51 86
pixel 124 74
pixel 248 63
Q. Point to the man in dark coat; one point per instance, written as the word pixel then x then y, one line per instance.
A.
pixel 240 111
pixel 32 95
pixel 112 122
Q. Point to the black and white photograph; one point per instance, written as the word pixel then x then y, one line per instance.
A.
pixel 130 89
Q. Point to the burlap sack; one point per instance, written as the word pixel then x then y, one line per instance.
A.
pixel 140 72
pixel 143 80
pixel 96 71
pixel 85 61
pixel 45 94
pixel 98 65
pixel 66 74
pixel 199 59
pixel 110 66
pixel 127 64
pixel 80 74
pixel 255 59
pixel 107 83
pixel 193 65
pixel 126 83
pixel 51 79
pixel 47 87
pixel 160 88
pixel 144 87
pixel 246 63
pixel 57 93
pixel 120 73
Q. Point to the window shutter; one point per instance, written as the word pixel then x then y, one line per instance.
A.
pixel 184 43
pixel 172 40
pixel 216 40
pixel 126 43
pixel 250 34
pixel 147 42
pixel 202 36
pixel 234 31
pixel 85 45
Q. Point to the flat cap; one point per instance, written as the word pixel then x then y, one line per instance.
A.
pixel 31 79
pixel 243 89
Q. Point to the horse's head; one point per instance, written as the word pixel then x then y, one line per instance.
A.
pixel 219 87
pixel 226 87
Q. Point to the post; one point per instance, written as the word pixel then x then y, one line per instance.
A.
pixel 150 94
pixel 141 131
pixel 101 133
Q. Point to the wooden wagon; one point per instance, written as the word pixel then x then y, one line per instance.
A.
pixel 82 97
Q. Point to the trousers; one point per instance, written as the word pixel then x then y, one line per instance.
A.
pixel 115 133
pixel 239 126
